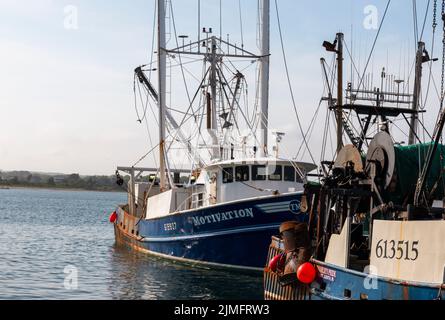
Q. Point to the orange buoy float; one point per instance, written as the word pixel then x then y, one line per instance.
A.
pixel 113 217
pixel 306 273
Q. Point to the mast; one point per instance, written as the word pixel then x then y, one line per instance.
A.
pixel 211 97
pixel 339 109
pixel 162 65
pixel 214 104
pixel 416 97
pixel 264 73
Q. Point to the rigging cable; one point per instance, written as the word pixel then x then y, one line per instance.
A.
pixel 416 28
pixel 371 53
pixel 424 19
pixel 185 82
pixel 199 25
pixel 325 137
pixel 352 60
pixel 327 87
pixel 241 23
pixel 442 98
pixel 145 155
pixel 140 120
pixel 311 128
pixel 290 83
pixel 421 105
pixel 329 84
pixel 239 107
pixel 153 41
pixel 135 99
pixel 145 119
pixel 374 44
pixel 430 64
pixel 179 55
pixel 220 19
pixel 443 59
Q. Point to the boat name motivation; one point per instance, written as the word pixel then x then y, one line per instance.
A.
pixel 219 217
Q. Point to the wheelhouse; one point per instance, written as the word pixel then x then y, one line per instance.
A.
pixel 236 180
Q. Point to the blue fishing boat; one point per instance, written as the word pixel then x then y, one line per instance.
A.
pixel 376 223
pixel 223 209
pixel 222 235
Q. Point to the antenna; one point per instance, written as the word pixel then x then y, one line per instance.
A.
pixel 278 138
pixel 183 37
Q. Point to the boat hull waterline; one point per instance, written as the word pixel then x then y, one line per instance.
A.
pixel 362 286
pixel 232 235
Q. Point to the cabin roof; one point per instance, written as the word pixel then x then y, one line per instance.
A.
pixel 308 167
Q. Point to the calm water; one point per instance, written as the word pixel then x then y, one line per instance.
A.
pixel 42 232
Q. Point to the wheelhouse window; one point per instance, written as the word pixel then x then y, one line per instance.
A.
pixel 289 174
pixel 242 173
pixel 276 173
pixel 259 173
pixel 227 175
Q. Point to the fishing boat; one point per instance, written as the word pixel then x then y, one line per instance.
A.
pixel 377 218
pixel 225 211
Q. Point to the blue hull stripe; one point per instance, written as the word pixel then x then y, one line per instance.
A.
pixel 274 205
pixel 213 234
pixel 284 207
pixel 274 210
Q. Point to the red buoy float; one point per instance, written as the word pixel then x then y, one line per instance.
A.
pixel 275 262
pixel 113 217
pixel 306 273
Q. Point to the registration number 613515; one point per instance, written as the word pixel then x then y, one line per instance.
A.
pixel 397 250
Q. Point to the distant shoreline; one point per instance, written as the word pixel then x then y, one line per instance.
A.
pixel 12 187
pixel 69 182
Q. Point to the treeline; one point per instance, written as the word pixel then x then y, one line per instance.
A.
pixel 58 181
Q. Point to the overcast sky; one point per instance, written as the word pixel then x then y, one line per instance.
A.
pixel 66 95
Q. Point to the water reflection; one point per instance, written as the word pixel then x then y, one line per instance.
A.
pixel 43 231
pixel 140 276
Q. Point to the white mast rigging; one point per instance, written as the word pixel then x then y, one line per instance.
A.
pixel 213 56
pixel 162 65
pixel 264 74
